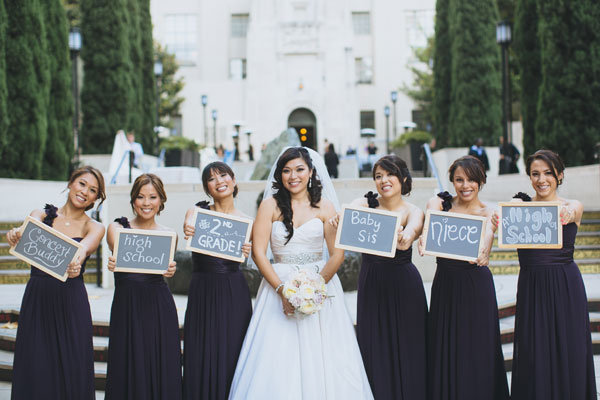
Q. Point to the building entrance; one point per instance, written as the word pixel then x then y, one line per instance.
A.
pixel 305 123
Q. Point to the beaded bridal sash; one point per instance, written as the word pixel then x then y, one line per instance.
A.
pixel 298 259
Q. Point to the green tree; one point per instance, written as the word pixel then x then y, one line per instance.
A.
pixel 148 84
pixel 475 101
pixel 59 141
pixel 527 51
pixel 3 91
pixel 568 113
pixel 73 12
pixel 27 87
pixel 442 60
pixel 421 90
pixel 107 65
pixel 170 86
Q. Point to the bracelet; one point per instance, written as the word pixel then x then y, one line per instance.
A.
pixel 279 286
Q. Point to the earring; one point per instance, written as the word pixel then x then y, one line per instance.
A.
pixel 309 182
pixel 560 181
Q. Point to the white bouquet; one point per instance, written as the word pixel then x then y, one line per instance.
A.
pixel 306 291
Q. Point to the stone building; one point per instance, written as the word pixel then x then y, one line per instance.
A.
pixel 325 67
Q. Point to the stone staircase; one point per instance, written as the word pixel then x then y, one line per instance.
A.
pixel 587 249
pixel 13 270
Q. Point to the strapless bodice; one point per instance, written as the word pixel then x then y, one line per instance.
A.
pixel 541 257
pixel 307 240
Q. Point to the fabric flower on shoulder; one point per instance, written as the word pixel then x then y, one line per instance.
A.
pixel 124 222
pixel 51 213
pixel 203 204
pixel 446 200
pixel 372 199
pixel 522 196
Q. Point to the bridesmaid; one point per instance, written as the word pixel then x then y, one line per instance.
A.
pixel 465 358
pixel 219 306
pixel 553 356
pixel 144 350
pixel 54 354
pixel 392 307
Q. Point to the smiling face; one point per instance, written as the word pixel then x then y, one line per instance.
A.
pixel 542 179
pixel 466 188
pixel 147 203
pixel 83 191
pixel 220 184
pixel 388 185
pixel 295 175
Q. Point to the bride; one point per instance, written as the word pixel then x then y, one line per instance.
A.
pixel 285 356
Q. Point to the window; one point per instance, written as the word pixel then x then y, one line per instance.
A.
pixel 364 70
pixel 181 36
pixel 361 21
pixel 239 25
pixel 367 120
pixel 419 26
pixel 237 68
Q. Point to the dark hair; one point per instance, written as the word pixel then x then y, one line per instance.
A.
pixel 220 167
pixel 396 166
pixel 282 196
pixel 472 166
pixel 549 157
pixel 142 181
pixel 98 175
pixel 330 148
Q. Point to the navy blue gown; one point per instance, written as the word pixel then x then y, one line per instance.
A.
pixel 54 353
pixel 465 360
pixel 392 325
pixel 216 319
pixel 144 350
pixel 553 357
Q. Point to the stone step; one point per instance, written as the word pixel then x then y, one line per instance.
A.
pixel 3 235
pixel 585 251
pixel 511 267
pixel 593 214
pixel 4 226
pixel 11 262
pixel 4 247
pixel 589 225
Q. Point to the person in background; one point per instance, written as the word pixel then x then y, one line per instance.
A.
pixel 332 161
pixel 138 150
pixel 509 155
pixel 371 149
pixel 478 151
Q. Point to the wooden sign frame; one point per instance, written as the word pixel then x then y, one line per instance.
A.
pixel 557 204
pixel 52 231
pixel 212 213
pixel 146 232
pixel 425 234
pixel 391 253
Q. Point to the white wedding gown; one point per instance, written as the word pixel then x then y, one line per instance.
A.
pixel 291 358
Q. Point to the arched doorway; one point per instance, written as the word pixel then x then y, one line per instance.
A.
pixel 305 123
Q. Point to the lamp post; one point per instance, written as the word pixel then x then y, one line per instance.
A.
pixel 503 38
pixel 394 96
pixel 204 100
pixel 214 118
pixel 386 112
pixel 236 142
pixel 75 47
pixel 250 148
pixel 158 71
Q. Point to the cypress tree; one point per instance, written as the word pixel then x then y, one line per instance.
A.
pixel 568 113
pixel 3 90
pixel 59 142
pixel 441 74
pixel 475 100
pixel 134 109
pixel 148 109
pixel 27 86
pixel 527 50
pixel 107 84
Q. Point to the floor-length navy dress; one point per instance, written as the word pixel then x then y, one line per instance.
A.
pixel 464 349
pixel 144 350
pixel 54 353
pixel 553 357
pixel 392 325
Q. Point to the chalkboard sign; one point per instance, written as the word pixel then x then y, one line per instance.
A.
pixel 368 230
pixel 453 235
pixel 219 235
pixel 45 248
pixel 144 251
pixel 528 225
